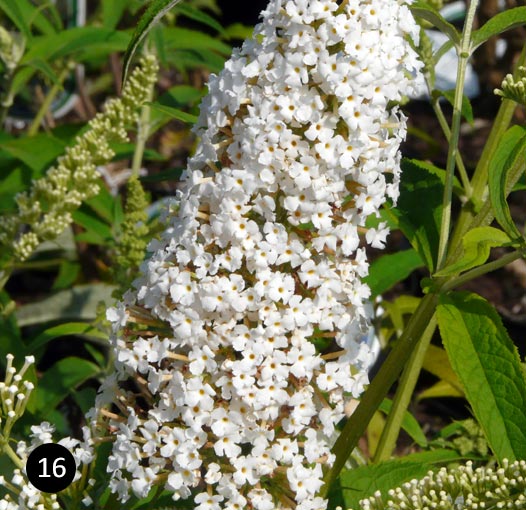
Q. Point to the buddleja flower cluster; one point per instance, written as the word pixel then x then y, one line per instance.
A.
pixel 46 210
pixel 462 488
pixel 219 391
pixel 15 391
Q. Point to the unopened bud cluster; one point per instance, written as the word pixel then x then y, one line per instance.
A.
pixel 46 209
pixel 219 392
pixel 514 88
pixel 15 391
pixel 462 488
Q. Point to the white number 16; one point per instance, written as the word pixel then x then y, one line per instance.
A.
pixel 57 468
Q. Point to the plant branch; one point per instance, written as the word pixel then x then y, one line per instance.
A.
pixel 480 270
pixel 480 176
pixel 463 55
pixel 403 395
pixel 468 190
pixel 387 375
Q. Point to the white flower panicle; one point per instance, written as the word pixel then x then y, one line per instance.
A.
pixel 461 488
pixel 220 391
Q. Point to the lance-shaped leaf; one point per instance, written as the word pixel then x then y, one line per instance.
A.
pixel 489 368
pixel 419 207
pixel 505 168
pixel 424 11
pixel 505 20
pixel 466 109
pixel 477 244
pixel 156 10
pixel 363 481
pixel 390 269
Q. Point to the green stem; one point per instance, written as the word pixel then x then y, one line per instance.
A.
pixel 480 175
pixel 48 100
pixel 142 136
pixel 468 190
pixel 463 56
pixel 403 395
pixel 480 270
pixel 6 448
pixel 387 375
pixel 486 214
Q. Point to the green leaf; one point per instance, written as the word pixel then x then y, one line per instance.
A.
pixel 424 11
pixel 77 42
pixel 181 95
pixel 78 303
pixel 126 150
pixel 24 14
pixel 489 368
pixel 45 69
pixel 69 329
pixel 177 38
pixel 67 275
pixel 436 362
pixel 200 16
pixel 85 398
pixel 156 10
pixel 501 22
pixel 238 31
pixel 14 9
pixel 390 269
pixel 409 423
pixel 505 167
pixel 174 113
pixel 441 389
pixel 477 244
pixel 442 51
pixel 60 380
pixel 466 109
pixel 103 204
pixel 112 11
pixel 419 208
pixel 37 152
pixel 362 482
pixel 85 218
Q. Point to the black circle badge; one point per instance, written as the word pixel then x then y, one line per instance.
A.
pixel 50 467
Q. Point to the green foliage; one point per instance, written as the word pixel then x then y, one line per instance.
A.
pixel 477 244
pixel 430 14
pixel 458 487
pixel 467 110
pixel 156 10
pixel 489 368
pixel 388 270
pixel 48 207
pixel 59 381
pixel 364 481
pixel 39 197
pixel 505 167
pixel 501 22
pixel 419 207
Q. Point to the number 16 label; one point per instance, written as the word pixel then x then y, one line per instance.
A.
pixel 50 467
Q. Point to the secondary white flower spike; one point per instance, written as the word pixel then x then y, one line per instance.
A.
pixel 223 395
